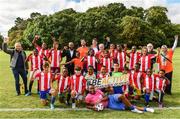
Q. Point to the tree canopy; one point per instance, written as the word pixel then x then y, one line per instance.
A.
pixel 135 26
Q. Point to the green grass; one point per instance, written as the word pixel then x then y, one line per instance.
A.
pixel 8 99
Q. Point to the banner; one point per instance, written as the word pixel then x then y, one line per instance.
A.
pixel 112 81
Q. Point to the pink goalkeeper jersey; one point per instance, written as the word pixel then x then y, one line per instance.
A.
pixel 93 98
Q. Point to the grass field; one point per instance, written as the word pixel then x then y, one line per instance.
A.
pixel 8 99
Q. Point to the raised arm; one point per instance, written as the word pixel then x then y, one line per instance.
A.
pixel 175 42
pixel 5 47
pixel 34 41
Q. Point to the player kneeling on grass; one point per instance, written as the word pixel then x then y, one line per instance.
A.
pixel 96 100
pixel 78 86
pixel 148 86
pixel 63 86
pixel 161 82
pixel 45 85
pixel 135 80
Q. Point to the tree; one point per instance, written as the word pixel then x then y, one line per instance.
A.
pixel 1 41
pixel 134 25
pixel 135 31
pixel 35 15
pixel 156 16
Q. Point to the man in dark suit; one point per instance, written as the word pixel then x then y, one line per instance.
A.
pixel 69 53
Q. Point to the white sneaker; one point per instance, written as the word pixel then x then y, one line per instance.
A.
pixel 150 110
pixel 73 105
pixel 137 111
pixel 52 106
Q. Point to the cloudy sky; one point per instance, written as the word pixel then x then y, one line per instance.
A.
pixel 11 9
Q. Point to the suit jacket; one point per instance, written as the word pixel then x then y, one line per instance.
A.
pixel 14 56
pixel 67 54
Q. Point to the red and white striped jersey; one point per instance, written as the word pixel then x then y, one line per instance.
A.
pixel 121 60
pixel 125 89
pixel 108 63
pixel 145 62
pixel 78 83
pixel 55 56
pixel 63 83
pixel 99 55
pixel 149 82
pixel 135 79
pixel 90 60
pixel 42 51
pixel 36 61
pixel 133 59
pixel 160 83
pixel 113 53
pixel 103 76
pixel 44 80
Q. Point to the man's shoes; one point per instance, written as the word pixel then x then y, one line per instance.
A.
pixel 18 94
pixel 67 103
pixel 28 94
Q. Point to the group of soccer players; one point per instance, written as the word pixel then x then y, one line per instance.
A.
pixel 70 81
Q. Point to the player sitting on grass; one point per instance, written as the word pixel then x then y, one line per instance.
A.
pixel 78 86
pixel 45 85
pixel 63 86
pixel 96 100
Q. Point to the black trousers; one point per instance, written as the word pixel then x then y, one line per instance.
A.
pixel 70 68
pixel 20 72
pixel 169 86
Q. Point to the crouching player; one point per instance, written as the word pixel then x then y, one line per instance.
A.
pixel 161 82
pixel 45 85
pixel 78 86
pixel 63 86
pixel 148 86
pixel 135 80
pixel 96 100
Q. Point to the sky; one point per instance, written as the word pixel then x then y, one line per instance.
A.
pixel 11 9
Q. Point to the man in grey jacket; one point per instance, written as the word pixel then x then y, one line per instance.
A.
pixel 17 64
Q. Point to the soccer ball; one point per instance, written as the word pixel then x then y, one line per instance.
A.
pixel 99 107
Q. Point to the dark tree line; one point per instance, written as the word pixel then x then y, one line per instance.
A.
pixel 135 26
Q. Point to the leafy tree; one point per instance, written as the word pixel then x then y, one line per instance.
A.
pixel 135 26
pixel 1 41
pixel 135 31
pixel 157 15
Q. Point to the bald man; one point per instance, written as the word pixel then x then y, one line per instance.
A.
pixel 17 64
pixel 70 54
